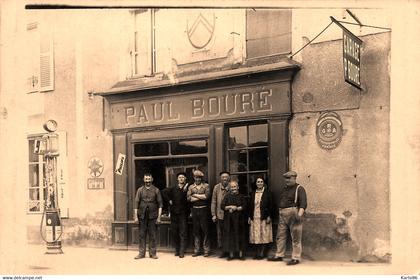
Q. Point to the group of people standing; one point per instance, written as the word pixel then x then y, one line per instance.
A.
pixel 230 211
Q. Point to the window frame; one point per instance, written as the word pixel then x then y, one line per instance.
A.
pixel 152 40
pixel 32 33
pixel 42 62
pixel 41 182
pixel 247 148
pixel 170 155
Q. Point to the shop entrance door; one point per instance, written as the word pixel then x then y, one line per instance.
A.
pixel 165 159
pixel 163 153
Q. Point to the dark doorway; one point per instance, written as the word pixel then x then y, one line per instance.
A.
pixel 165 159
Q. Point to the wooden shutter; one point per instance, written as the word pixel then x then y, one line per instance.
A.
pixel 46 62
pixel 142 43
pixel 268 32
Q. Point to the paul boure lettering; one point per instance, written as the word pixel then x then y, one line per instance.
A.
pixel 198 108
pixel 153 112
pixel 231 104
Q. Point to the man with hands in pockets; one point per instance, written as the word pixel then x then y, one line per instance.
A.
pixel 147 210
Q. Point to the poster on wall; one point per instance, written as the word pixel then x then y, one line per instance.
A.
pixel 119 167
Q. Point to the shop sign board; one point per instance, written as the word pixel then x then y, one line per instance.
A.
pixel 221 104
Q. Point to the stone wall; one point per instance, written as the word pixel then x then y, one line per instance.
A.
pixel 347 187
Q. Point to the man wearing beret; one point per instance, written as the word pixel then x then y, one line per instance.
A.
pixel 217 213
pixel 291 209
pixel 147 210
pixel 177 198
pixel 199 194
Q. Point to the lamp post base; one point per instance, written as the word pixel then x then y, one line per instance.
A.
pixel 54 248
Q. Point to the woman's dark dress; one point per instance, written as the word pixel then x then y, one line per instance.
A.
pixel 234 232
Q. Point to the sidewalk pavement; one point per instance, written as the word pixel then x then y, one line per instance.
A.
pixel 79 260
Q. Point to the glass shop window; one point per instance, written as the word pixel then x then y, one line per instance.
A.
pixel 151 149
pixel 189 147
pixel 248 154
pixel 166 158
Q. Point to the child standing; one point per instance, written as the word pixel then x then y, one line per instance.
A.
pixel 234 233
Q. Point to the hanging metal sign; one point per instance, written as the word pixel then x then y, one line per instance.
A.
pixel 351 58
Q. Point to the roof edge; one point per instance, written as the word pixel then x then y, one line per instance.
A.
pixel 142 84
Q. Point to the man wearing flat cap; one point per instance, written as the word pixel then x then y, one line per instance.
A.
pixel 177 198
pixel 291 209
pixel 199 195
pixel 147 211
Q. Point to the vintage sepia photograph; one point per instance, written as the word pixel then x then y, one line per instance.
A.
pixel 209 138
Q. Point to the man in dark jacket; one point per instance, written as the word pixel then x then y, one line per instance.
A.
pixel 147 210
pixel 292 206
pixel 177 198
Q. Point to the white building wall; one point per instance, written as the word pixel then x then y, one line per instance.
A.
pixel 22 114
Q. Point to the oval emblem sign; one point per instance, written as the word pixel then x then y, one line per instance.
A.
pixel 329 130
pixel 200 29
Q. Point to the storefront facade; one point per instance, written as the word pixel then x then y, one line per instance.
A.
pixel 239 124
pixel 229 97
